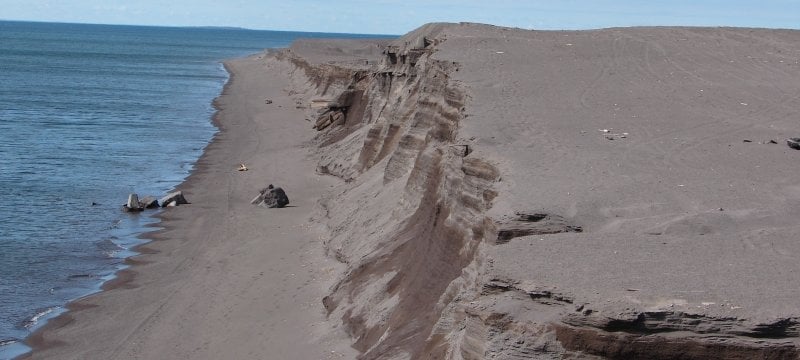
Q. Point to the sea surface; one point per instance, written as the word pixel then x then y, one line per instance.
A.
pixel 89 114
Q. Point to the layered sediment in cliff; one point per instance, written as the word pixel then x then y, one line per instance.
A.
pixel 467 242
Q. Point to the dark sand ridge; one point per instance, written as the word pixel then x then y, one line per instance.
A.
pixel 688 244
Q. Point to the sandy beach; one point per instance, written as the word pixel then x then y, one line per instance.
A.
pixel 224 279
pixel 470 192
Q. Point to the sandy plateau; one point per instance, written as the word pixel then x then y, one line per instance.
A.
pixel 476 192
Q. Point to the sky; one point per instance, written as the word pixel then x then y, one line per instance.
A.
pixel 399 17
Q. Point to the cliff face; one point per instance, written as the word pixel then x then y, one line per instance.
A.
pixel 420 195
pixel 442 233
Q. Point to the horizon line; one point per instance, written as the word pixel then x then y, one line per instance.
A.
pixel 209 27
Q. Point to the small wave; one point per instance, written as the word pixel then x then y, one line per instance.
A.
pixel 111 254
pixel 115 225
pixel 80 276
pixel 12 348
pixel 4 342
pixel 35 319
pixel 109 248
pixel 109 244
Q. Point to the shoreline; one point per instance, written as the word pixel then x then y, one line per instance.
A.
pixel 34 341
pixel 61 336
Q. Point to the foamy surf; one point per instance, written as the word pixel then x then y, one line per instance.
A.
pixel 33 321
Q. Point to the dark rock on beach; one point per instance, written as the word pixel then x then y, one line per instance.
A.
pixel 173 197
pixel 271 197
pixel 133 204
pixel 148 202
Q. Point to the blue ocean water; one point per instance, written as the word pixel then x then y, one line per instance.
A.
pixel 88 114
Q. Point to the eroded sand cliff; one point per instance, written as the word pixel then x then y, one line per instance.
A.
pixel 523 194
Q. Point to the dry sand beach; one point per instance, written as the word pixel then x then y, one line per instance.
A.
pixel 477 192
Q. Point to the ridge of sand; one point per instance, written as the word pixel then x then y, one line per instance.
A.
pixel 223 279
